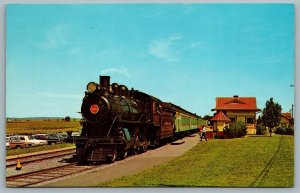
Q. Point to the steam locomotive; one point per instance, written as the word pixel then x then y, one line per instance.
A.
pixel 118 121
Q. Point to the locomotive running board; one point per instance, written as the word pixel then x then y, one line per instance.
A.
pixel 136 122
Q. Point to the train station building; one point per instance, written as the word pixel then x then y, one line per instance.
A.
pixel 234 109
pixel 286 120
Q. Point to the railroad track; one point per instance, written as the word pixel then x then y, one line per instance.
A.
pixel 37 178
pixel 32 178
pixel 41 176
pixel 39 157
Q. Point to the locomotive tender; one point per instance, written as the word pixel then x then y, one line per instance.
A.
pixel 118 121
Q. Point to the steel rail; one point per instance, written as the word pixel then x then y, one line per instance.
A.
pixel 36 177
pixel 49 155
pixel 37 154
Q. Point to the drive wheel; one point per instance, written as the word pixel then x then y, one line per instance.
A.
pixel 135 150
pixel 112 158
pixel 144 147
pixel 136 145
pixel 123 154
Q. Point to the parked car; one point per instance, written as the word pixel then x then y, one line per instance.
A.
pixel 64 136
pixel 54 139
pixel 76 134
pixel 38 141
pixel 40 136
pixel 20 141
pixel 7 142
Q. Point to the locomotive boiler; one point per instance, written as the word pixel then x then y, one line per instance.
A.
pixel 118 121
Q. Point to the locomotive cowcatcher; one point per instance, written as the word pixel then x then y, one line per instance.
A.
pixel 118 121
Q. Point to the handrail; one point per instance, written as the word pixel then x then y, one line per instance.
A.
pixel 141 117
pixel 112 125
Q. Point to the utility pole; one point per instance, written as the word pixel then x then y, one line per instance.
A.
pixel 292 105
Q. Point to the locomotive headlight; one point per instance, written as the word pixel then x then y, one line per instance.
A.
pixel 92 86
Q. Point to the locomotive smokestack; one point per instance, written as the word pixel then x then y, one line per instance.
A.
pixel 105 82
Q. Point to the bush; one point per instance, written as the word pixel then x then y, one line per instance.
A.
pixel 238 129
pixel 284 131
pixel 260 129
pixel 218 136
pixel 289 131
pixel 280 131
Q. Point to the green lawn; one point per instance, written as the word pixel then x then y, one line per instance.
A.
pixel 253 161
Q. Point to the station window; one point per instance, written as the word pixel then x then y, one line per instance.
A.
pixel 250 120
pixel 232 119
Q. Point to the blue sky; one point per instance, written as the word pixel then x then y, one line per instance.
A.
pixel 187 54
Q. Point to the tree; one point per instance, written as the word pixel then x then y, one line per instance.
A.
pixel 260 129
pixel 207 117
pixel 259 120
pixel 271 115
pixel 67 119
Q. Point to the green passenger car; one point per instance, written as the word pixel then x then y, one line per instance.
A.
pixel 186 122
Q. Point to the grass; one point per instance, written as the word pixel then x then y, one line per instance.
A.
pixel 245 162
pixel 41 126
pixel 10 152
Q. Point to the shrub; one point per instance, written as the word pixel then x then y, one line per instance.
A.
pixel 238 129
pixel 218 136
pixel 280 131
pixel 260 129
pixel 284 131
pixel 289 131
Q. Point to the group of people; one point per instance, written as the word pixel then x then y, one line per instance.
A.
pixel 202 132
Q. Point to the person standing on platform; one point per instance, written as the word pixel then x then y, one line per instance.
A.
pixel 203 133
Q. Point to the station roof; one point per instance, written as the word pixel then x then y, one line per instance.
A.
pixel 287 115
pixel 236 103
pixel 220 116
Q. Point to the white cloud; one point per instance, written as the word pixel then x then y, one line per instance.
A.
pixel 74 50
pixel 121 71
pixel 165 48
pixel 194 45
pixel 56 36
pixel 59 95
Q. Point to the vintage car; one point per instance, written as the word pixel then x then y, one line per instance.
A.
pixel 20 141
pixel 7 142
pixel 54 138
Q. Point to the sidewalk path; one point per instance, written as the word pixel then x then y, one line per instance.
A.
pixel 129 166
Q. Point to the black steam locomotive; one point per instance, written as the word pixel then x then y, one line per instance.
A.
pixel 118 121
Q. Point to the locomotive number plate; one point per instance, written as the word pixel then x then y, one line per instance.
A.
pixel 94 109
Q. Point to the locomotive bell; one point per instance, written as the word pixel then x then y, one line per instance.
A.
pixel 105 82
pixel 123 90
